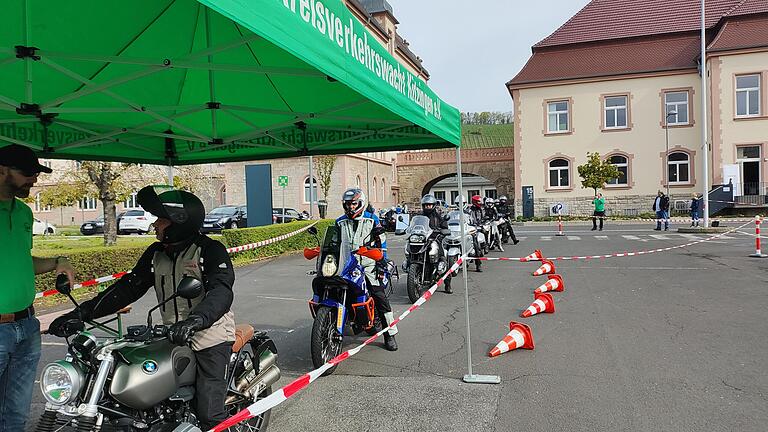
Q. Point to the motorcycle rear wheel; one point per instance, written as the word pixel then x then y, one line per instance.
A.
pixel 255 424
pixel 414 283
pixel 326 341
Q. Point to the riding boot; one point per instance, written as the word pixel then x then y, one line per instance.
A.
pixel 478 266
pixel 389 337
pixel 447 284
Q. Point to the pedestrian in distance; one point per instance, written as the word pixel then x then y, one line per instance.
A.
pixel 695 210
pixel 19 329
pixel 661 207
pixel 599 203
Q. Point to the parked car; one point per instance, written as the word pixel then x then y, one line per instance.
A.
pixel 42 228
pixel 290 215
pixel 225 217
pixel 136 221
pixel 96 226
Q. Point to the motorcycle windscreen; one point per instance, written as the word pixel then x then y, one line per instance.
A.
pixel 419 225
pixel 348 263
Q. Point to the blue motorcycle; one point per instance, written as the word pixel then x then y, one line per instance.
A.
pixel 340 294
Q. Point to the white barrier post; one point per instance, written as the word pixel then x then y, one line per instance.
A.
pixel 560 225
pixel 758 252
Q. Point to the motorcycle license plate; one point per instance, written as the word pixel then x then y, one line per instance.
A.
pixel 207 225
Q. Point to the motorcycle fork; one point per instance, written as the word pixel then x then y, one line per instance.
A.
pixel 341 310
pixel 92 405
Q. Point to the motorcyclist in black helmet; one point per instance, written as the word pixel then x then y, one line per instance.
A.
pixel 205 322
pixel 439 225
pixel 476 218
pixel 505 211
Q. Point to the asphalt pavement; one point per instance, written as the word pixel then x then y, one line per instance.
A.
pixel 673 341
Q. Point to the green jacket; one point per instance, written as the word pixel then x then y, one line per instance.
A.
pixel 599 204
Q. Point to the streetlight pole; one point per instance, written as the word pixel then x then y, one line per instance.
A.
pixel 704 144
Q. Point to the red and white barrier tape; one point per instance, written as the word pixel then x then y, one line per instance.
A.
pixel 612 255
pixel 281 395
pixel 231 250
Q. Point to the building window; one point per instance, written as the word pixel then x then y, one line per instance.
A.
pixel 439 195
pixel 375 190
pixel 559 175
pixel 87 203
pixel 748 95
pixel 223 195
pixel 615 112
pixel 306 189
pixel 471 193
pixel 384 190
pixel 130 202
pixel 679 168
pixel 357 181
pixel 454 197
pixel 622 164
pixel 490 193
pixel 676 108
pixel 557 117
pixel 39 207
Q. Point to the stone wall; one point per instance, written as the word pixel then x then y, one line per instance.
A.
pixel 622 205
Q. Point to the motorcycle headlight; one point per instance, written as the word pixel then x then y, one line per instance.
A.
pixel 61 382
pixel 416 238
pixel 329 266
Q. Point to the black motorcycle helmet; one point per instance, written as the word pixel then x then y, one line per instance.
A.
pixel 428 203
pixel 503 200
pixel 185 211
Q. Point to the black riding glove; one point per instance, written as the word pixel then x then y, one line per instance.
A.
pixel 181 332
pixel 68 324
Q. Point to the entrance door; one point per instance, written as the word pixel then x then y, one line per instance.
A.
pixel 749 161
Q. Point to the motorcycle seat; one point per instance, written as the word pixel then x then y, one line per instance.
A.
pixel 243 334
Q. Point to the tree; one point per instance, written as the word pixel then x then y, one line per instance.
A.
pixel 60 195
pixel 197 179
pixel 597 172
pixel 324 167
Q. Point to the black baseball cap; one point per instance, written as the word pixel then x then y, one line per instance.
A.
pixel 22 158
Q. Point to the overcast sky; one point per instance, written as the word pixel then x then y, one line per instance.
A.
pixel 472 48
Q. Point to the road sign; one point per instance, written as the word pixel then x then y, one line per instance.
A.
pixel 282 181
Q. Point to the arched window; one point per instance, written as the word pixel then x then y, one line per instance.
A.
pixel 306 189
pixel 622 164
pixel 223 195
pixel 357 181
pixel 678 168
pixel 559 175
pixel 384 191
pixel 375 192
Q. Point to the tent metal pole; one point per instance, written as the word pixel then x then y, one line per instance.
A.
pixel 470 377
pixel 311 184
pixel 211 79
pixel 170 175
pixel 27 60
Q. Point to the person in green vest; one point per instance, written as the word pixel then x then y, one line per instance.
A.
pixel 599 203
pixel 19 329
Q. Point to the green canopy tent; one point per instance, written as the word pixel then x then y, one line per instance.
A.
pixel 180 82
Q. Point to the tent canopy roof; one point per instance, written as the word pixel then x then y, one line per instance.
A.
pixel 184 81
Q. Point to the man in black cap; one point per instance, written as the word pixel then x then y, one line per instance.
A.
pixel 19 329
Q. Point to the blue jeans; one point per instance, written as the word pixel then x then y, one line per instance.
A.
pixel 19 355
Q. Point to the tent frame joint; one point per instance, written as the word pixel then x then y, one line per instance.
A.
pixel 34 110
pixel 216 142
pixel 29 52
pixel 213 105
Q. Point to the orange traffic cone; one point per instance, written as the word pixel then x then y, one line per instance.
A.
pixel 547 267
pixel 543 303
pixel 554 283
pixel 519 336
pixel 535 256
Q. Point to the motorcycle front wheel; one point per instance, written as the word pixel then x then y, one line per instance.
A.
pixel 326 340
pixel 414 282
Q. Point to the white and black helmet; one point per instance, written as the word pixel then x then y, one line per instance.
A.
pixel 354 202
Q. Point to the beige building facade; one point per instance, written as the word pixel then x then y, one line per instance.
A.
pixel 632 93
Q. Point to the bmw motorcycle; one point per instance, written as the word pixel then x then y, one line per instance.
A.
pixel 494 235
pixel 425 263
pixel 452 242
pixel 142 382
pixel 340 296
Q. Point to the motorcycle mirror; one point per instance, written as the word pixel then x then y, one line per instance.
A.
pixel 311 253
pixel 400 218
pixel 62 284
pixel 374 254
pixel 189 288
pixel 312 230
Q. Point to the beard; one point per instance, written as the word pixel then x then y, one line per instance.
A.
pixel 18 190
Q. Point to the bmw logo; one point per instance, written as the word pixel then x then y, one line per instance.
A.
pixel 149 367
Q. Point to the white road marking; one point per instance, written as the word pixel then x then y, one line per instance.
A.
pixel 601 237
pixel 631 237
pixel 54 343
pixel 282 298
pixel 660 237
pixel 545 238
pixel 574 238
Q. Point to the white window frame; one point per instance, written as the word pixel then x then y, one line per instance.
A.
pixel 748 91
pixel 551 110
pixel 566 168
pixel 40 208
pixel 87 203
pixel 614 111
pixel 131 199
pixel 375 190
pixel 624 164
pixel 676 108
pixel 305 197
pixel 677 164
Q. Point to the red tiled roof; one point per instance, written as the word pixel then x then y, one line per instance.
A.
pixel 748 7
pixel 610 58
pixel 614 19
pixel 745 32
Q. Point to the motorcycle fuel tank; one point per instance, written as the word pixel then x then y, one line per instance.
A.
pixel 147 375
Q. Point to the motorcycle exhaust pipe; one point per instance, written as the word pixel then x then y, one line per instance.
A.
pixel 249 388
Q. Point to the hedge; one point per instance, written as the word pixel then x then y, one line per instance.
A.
pixel 102 261
pixel 298 242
